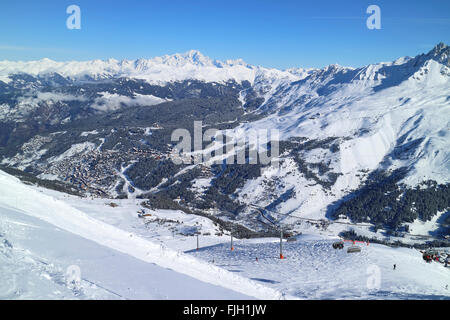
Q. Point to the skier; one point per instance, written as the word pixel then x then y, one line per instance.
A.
pixel 141 213
pixel 395 266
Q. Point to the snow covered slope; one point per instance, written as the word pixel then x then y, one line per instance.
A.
pixel 36 259
pixel 28 222
pixel 35 256
pixel 354 122
pixel 384 117
pixel 379 107
pixel 314 270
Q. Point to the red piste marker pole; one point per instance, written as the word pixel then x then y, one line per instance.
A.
pixel 232 248
pixel 281 244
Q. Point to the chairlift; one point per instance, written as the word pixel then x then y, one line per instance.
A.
pixel 354 249
pixel 431 255
pixel 338 245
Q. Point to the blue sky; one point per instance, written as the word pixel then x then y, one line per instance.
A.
pixel 279 34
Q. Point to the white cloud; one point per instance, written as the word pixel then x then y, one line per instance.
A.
pixel 49 96
pixel 14 48
pixel 110 102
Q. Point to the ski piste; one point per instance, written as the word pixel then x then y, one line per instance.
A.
pixel 134 251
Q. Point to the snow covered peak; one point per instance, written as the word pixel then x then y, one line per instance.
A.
pixel 333 67
pixel 440 53
pixel 192 57
pixel 440 47
pixel 301 73
pixel 194 65
pixel 196 56
pixel 401 60
pixel 177 67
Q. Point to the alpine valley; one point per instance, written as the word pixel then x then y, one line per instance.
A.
pixel 366 147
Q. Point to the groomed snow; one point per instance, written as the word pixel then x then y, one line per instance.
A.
pixel 36 204
pixel 36 263
pixel 312 268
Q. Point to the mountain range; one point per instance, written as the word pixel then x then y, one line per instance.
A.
pixel 364 145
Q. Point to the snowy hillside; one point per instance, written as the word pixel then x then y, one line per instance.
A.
pixel 36 259
pixel 42 236
pixel 379 107
pixel 121 256
pixel 363 145
pixel 314 270
pixel 384 117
